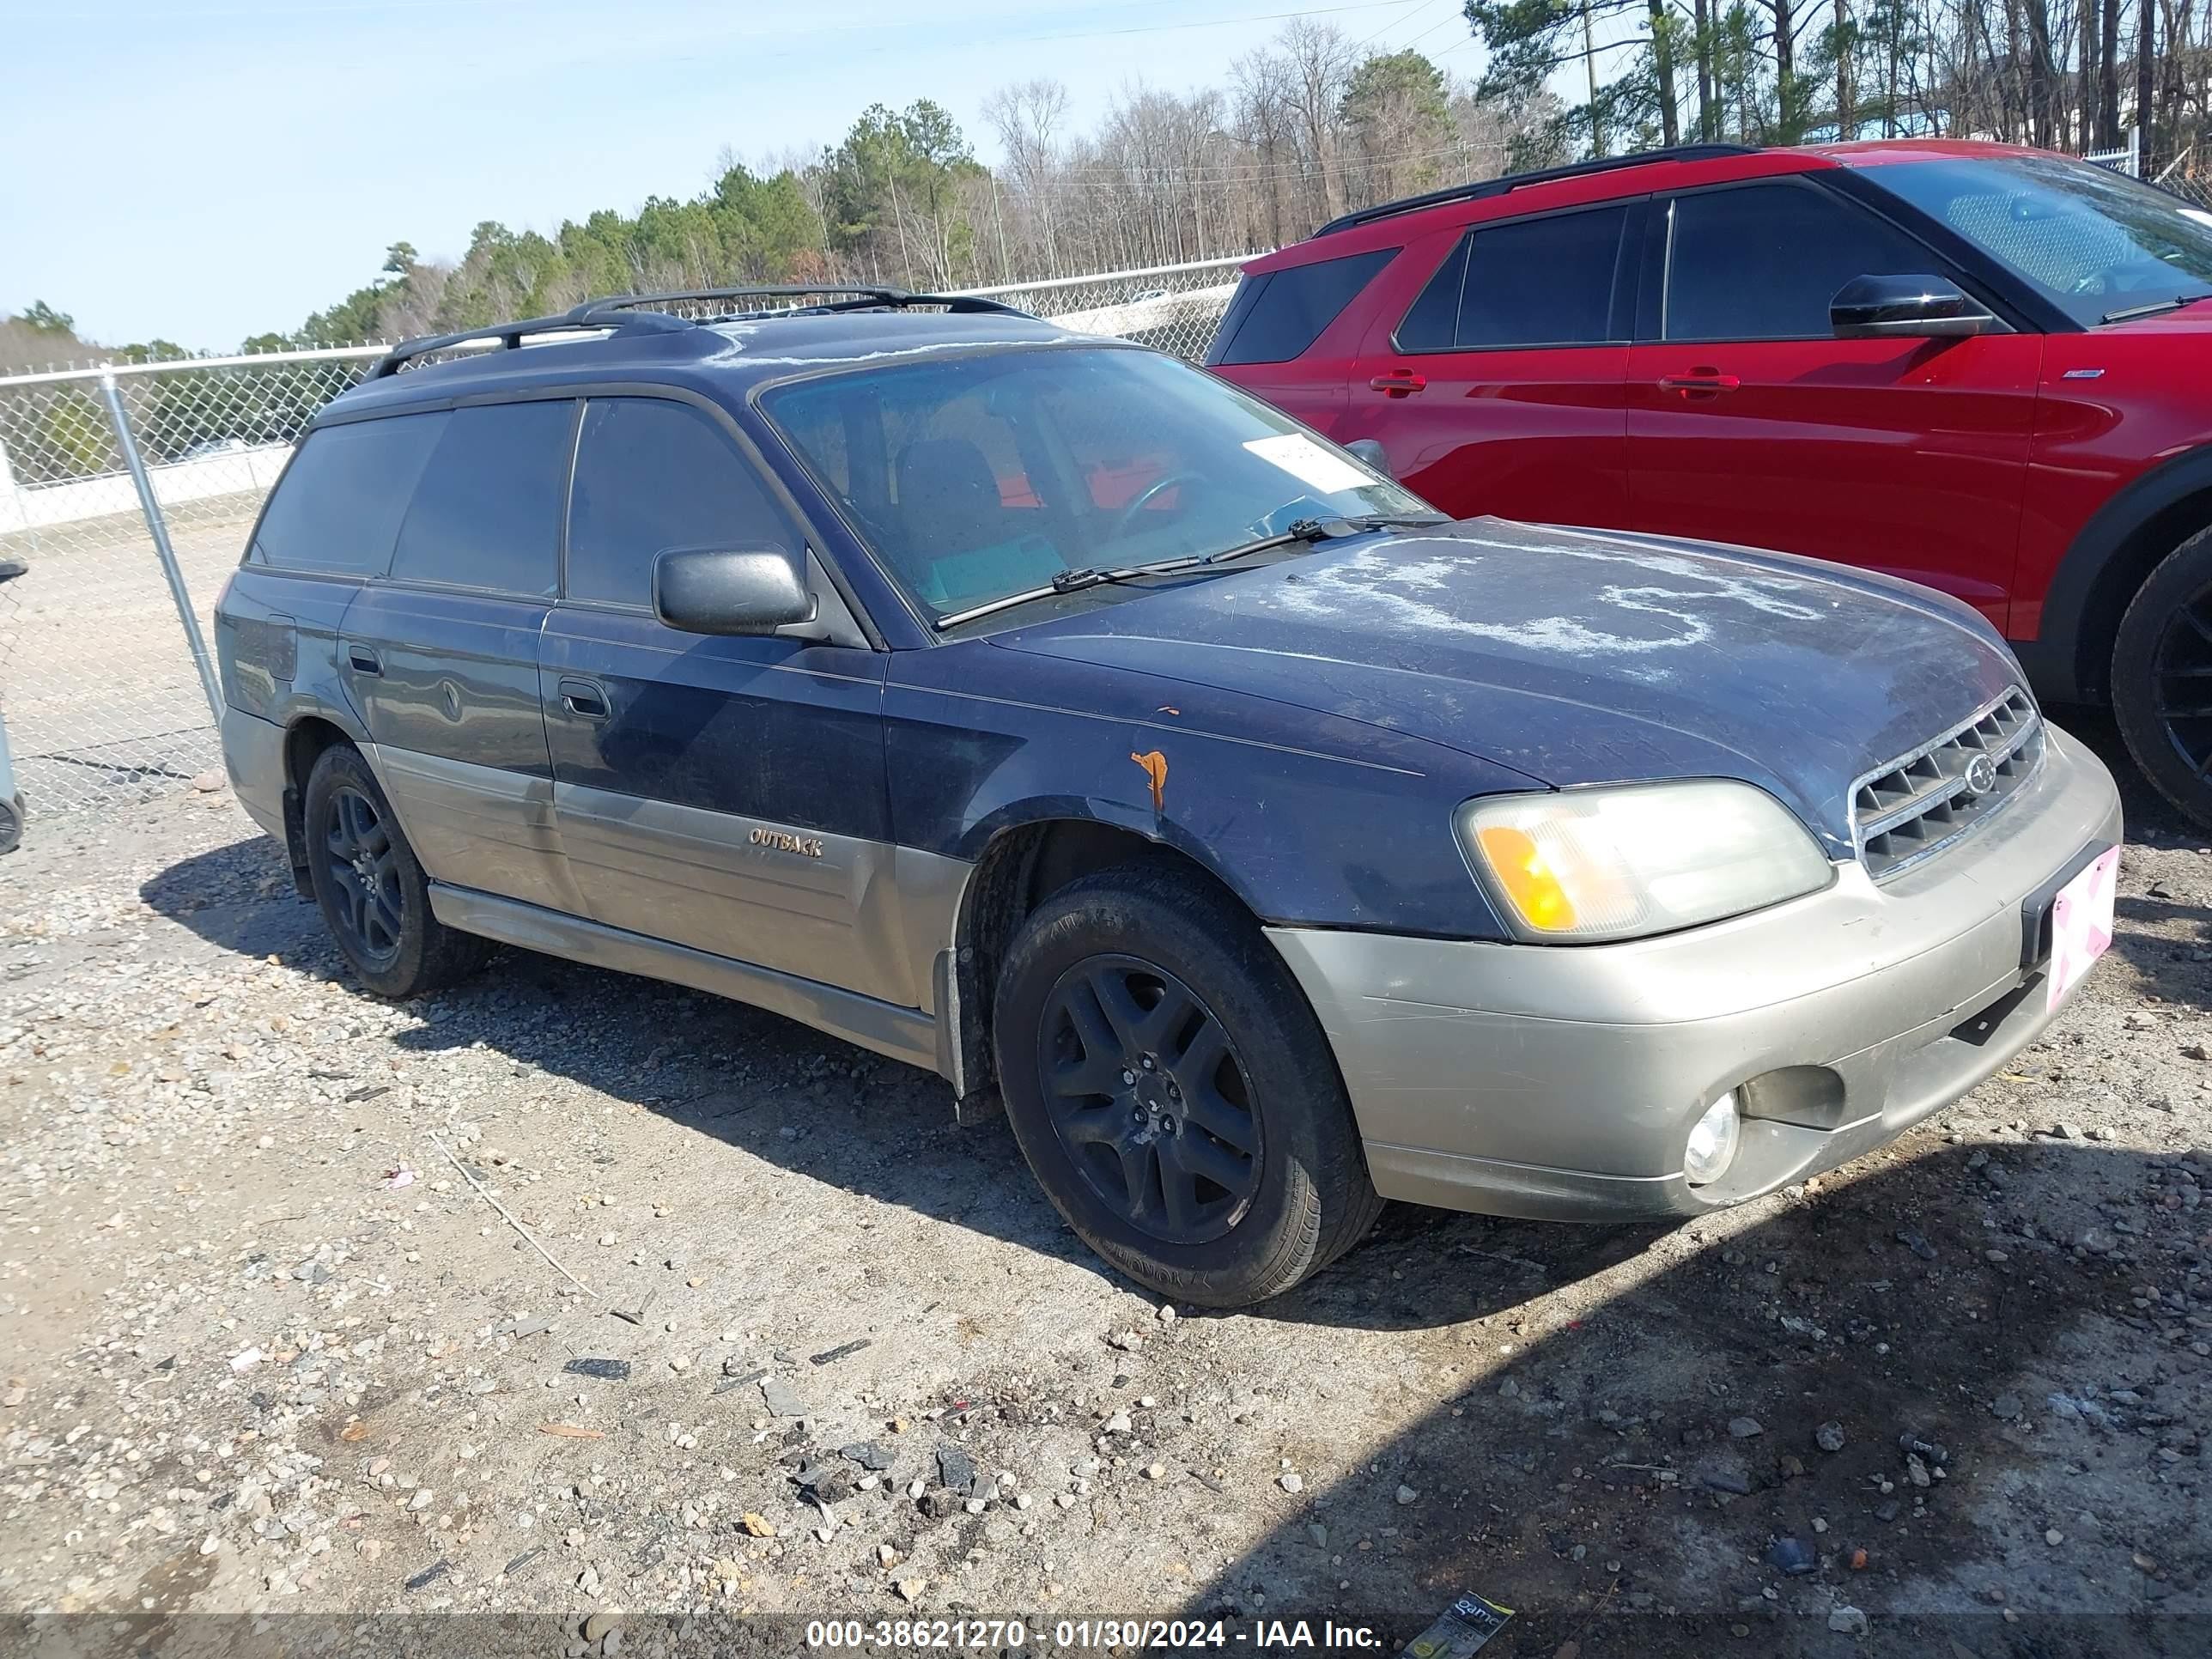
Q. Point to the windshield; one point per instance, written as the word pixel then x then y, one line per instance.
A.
pixel 994 474
pixel 2094 241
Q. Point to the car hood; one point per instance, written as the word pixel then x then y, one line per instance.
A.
pixel 1578 657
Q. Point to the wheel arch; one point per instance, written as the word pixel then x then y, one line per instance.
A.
pixel 2071 659
pixel 306 738
pixel 1019 866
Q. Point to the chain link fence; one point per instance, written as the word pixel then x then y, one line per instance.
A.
pixel 100 688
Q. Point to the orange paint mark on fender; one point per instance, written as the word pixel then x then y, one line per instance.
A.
pixel 1156 767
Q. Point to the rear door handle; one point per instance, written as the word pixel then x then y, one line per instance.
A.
pixel 364 660
pixel 1698 379
pixel 584 698
pixel 1399 383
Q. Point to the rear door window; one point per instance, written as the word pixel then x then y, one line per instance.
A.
pixel 488 511
pixel 1527 282
pixel 1762 262
pixel 650 474
pixel 1280 314
pixel 338 506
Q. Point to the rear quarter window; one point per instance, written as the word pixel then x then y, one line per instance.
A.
pixel 337 509
pixel 1522 283
pixel 1278 313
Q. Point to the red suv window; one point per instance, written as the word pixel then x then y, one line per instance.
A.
pixel 1532 282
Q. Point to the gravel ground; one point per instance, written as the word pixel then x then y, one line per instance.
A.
pixel 269 1344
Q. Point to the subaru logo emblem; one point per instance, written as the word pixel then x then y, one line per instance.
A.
pixel 1981 776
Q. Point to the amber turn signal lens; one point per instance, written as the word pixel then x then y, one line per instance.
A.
pixel 1528 880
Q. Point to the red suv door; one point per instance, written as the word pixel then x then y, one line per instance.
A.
pixel 1497 385
pixel 1749 421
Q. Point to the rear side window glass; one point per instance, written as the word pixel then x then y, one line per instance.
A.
pixel 488 511
pixel 1287 309
pixel 338 507
pixel 1761 262
pixel 1535 281
pixel 652 474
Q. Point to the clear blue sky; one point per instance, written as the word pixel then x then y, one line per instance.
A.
pixel 201 170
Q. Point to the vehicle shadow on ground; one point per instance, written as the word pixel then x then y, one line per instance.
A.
pixel 820 1108
pixel 1620 1464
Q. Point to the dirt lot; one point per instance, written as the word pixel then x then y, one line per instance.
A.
pixel 267 1349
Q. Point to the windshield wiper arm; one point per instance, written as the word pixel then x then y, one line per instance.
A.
pixel 1074 581
pixel 1321 530
pixel 2151 309
pixel 1071 581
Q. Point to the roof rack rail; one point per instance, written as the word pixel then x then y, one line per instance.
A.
pixel 1507 182
pixel 865 296
pixel 509 336
pixel 641 314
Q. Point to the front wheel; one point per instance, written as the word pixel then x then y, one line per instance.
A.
pixel 371 889
pixel 2162 677
pixel 1174 1094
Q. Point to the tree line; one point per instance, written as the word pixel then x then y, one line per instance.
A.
pixel 2070 75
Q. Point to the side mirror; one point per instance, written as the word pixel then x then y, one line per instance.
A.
pixel 715 590
pixel 1913 308
pixel 1370 450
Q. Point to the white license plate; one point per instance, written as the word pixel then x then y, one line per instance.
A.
pixel 2082 924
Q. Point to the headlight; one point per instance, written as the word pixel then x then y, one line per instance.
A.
pixel 1585 865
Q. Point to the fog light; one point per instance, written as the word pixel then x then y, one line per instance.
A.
pixel 1713 1143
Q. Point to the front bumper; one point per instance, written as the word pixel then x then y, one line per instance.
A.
pixel 1561 1082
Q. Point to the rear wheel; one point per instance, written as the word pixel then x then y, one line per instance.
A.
pixel 2162 677
pixel 1173 1092
pixel 371 892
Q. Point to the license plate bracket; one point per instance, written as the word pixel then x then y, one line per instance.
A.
pixel 2066 924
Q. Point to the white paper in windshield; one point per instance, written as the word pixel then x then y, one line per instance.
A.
pixel 1310 463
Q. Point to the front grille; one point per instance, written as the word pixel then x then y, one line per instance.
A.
pixel 1916 806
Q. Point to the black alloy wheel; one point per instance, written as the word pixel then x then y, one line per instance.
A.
pixel 370 887
pixel 2162 678
pixel 2181 670
pixel 363 866
pixel 1172 1091
pixel 1147 1092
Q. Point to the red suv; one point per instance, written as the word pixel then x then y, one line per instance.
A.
pixel 1981 367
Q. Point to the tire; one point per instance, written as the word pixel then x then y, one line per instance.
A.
pixel 1216 1181
pixel 12 824
pixel 371 889
pixel 2162 677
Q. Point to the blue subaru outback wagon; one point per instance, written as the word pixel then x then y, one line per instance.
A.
pixel 1039 710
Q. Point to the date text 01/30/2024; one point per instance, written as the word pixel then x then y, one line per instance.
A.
pixel 1464 1627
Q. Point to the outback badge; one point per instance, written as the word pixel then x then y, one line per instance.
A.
pixel 784 841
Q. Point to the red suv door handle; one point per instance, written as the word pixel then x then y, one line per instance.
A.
pixel 1698 379
pixel 1399 383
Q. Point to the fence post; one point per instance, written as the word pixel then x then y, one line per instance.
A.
pixel 159 530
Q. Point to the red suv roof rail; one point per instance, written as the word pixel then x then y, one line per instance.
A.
pixel 1512 181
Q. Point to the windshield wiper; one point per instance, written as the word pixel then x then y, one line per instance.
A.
pixel 1074 581
pixel 2151 309
pixel 1068 581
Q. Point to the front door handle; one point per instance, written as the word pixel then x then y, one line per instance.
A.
pixel 365 661
pixel 1399 383
pixel 584 698
pixel 1707 381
